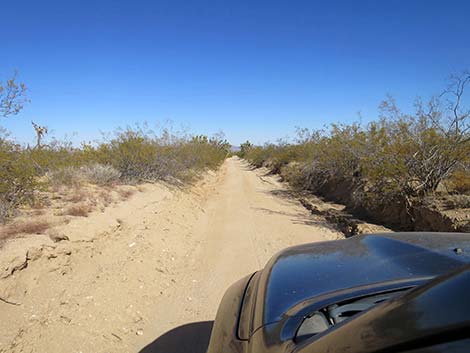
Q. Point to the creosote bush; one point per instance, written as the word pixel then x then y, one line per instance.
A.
pixel 398 158
pixel 18 178
pixel 132 155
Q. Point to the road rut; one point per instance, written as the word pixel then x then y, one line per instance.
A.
pixel 248 218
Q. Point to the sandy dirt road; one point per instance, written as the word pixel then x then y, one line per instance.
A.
pixel 148 275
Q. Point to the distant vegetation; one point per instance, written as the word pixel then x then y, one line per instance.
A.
pixel 132 155
pixel 388 165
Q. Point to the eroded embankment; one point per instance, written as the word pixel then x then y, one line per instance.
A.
pixel 336 214
pixel 96 290
pixel 439 213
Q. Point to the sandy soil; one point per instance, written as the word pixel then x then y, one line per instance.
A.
pixel 148 272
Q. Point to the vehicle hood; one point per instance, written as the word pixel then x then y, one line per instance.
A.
pixel 303 273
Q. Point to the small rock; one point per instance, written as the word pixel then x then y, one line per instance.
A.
pixel 131 244
pixel 66 319
pixel 34 253
pixel 66 251
pixel 139 332
pixel 51 255
pixel 56 237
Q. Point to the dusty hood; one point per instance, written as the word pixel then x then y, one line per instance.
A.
pixel 310 271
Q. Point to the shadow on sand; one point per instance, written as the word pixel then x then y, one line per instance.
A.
pixel 189 338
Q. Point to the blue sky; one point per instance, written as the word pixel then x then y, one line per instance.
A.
pixel 254 69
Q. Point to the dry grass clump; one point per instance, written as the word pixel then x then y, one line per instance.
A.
pixel 68 175
pixel 27 227
pixel 100 174
pixel 38 212
pixel 95 173
pixel 5 210
pixel 106 197
pixel 76 195
pixel 126 193
pixel 457 201
pixel 78 210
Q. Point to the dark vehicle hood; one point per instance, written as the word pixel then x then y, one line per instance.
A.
pixel 432 318
pixel 298 277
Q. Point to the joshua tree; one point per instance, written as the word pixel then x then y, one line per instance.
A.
pixel 40 132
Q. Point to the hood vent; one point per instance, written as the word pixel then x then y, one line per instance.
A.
pixel 325 318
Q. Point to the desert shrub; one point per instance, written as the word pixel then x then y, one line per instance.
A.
pixel 5 210
pixel 69 176
pixel 201 152
pixel 280 156
pixel 94 174
pixel 12 96
pixel 244 149
pixel 259 156
pixel 132 155
pixel 76 194
pixel 57 155
pixel 457 201
pixel 139 155
pixel 18 178
pixel 460 181
pixel 397 159
pixel 100 174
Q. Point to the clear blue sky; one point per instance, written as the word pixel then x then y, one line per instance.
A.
pixel 254 69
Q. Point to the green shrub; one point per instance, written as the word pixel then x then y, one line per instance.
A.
pixel 395 159
pixel 18 178
pixel 460 181
pixel 131 156
pixel 139 155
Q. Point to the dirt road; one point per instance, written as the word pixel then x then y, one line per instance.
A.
pixel 151 271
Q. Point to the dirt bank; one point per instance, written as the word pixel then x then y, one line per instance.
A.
pixel 151 270
pixel 440 212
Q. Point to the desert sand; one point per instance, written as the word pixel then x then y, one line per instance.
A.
pixel 150 271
